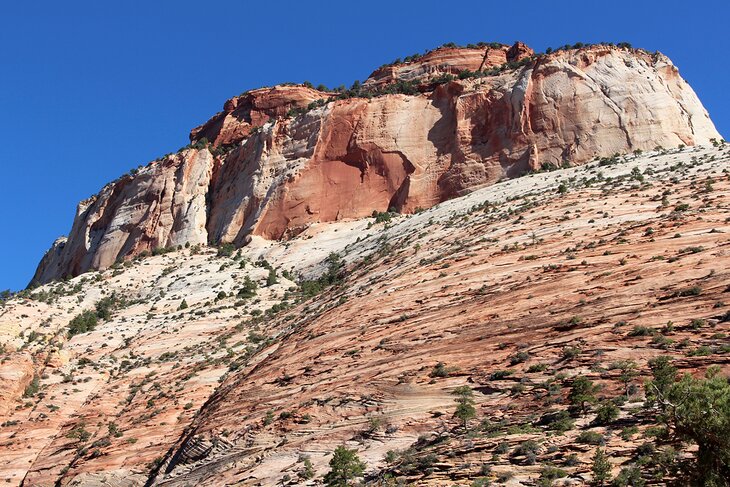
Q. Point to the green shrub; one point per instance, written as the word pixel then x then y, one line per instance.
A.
pixel 590 438
pixel 226 250
pixel 529 449
pixel 571 352
pixel 82 323
pixel 248 290
pixel 559 421
pixel 382 216
pixel 32 388
pixel 345 465
pixel 439 370
pixel 641 331
pixel 629 477
pixel 519 357
pixel 500 374
pixel 548 474
pixel 606 413
pixel 271 279
pixel 331 277
pixel 501 448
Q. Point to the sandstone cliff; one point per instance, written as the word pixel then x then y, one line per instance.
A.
pixel 257 170
pixel 515 289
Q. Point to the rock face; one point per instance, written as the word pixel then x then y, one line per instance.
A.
pixel 162 205
pixel 273 175
pixel 451 60
pixel 253 109
pixel 243 383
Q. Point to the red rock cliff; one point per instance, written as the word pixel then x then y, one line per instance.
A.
pixel 349 157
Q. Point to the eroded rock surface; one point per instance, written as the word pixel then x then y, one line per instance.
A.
pixel 251 110
pixel 516 289
pixel 269 174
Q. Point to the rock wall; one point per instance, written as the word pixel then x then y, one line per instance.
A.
pixel 162 205
pixel 354 156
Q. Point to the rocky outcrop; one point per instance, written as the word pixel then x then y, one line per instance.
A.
pixel 253 109
pixel 16 372
pixel 519 51
pixel 450 60
pixel 345 158
pixel 445 60
pixel 162 205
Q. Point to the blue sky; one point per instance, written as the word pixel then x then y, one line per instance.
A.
pixel 90 89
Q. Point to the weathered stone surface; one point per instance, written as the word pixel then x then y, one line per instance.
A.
pixel 518 52
pixel 252 109
pixel 444 60
pixel 230 391
pixel 162 205
pixel 354 156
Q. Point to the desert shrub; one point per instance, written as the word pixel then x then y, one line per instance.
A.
pixel 439 370
pixel 32 388
pixel 548 474
pixel 590 438
pixel 82 323
pixel 519 357
pixel 271 279
pixel 641 331
pixel 331 277
pixel 226 250
pixel 571 352
pixel 248 290
pixel 606 413
pixel 500 374
pixel 345 465
pixel 525 448
pixel 629 477
pixel 559 421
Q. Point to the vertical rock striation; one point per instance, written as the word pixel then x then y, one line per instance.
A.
pixel 274 174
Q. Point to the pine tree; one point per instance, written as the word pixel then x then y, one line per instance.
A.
pixel 601 468
pixel 308 471
pixel 628 374
pixel 464 404
pixel 271 279
pixel 583 392
pixel 248 290
pixel 698 411
pixel 664 375
pixel 345 465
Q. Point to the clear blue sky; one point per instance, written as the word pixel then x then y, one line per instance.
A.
pixel 90 89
